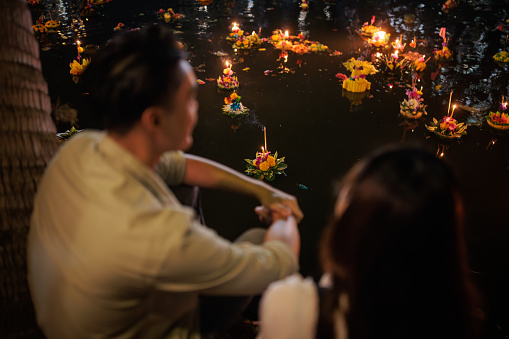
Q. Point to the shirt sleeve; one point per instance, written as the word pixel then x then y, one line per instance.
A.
pixel 201 261
pixel 172 167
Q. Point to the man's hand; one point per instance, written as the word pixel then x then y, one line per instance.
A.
pixel 280 203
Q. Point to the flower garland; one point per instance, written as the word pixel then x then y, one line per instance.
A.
pixel 234 107
pixel 265 166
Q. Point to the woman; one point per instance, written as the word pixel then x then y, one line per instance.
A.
pixel 394 257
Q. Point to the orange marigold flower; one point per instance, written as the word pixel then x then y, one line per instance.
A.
pixel 264 166
pixel 271 161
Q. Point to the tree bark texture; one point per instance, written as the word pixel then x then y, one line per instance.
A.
pixel 27 143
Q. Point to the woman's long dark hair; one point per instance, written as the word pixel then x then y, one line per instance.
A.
pixel 396 247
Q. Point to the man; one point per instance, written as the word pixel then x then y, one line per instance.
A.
pixel 111 252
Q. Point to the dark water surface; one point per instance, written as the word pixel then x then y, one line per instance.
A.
pixel 309 119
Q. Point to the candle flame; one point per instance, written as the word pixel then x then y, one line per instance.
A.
pixel 227 64
pixel 253 33
pixel 286 34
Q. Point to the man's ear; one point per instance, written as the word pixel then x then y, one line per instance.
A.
pixel 151 118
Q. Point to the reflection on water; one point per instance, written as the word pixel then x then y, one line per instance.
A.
pixel 320 129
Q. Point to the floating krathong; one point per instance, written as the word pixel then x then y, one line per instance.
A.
pixel 265 166
pixel 443 55
pixel 448 127
pixel 169 15
pixel 412 107
pixel 379 39
pixel 234 107
pixel 357 81
pixel 368 30
pixel 499 120
pixel 227 81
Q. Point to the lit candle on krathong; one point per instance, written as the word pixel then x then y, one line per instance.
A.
pixel 286 35
pixel 265 136
pixel 504 105
pixel 413 43
pixel 448 109
pixel 260 31
pixel 228 66
pixel 395 55
pixel 80 49
pixel 253 34
pixel 453 108
pixel 235 28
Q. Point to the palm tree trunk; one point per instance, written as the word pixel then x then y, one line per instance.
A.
pixel 27 142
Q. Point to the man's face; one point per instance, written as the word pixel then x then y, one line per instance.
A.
pixel 179 122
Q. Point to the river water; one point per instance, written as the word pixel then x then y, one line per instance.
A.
pixel 320 129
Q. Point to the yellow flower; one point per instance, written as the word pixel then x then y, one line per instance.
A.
pixel 77 68
pixel 271 161
pixel 240 33
pixel 80 49
pixel 233 96
pixel 238 43
pixel 264 166
pixel 246 42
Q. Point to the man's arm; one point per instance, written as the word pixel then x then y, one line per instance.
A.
pixel 206 173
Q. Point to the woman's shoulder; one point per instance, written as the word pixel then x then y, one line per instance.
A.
pixel 289 309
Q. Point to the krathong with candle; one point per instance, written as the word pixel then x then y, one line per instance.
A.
pixel 246 42
pixel 443 55
pixel 265 165
pixel 368 30
pixel 393 63
pixel 499 120
pixel 398 45
pixel 357 81
pixel 412 107
pixel 227 81
pixel 168 15
pixel 235 34
pixel 297 44
pixel 234 107
pixel 379 39
pixel 417 60
pixel 448 127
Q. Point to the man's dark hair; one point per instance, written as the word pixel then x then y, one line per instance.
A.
pixel 136 70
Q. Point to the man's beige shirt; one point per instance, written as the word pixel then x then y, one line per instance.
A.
pixel 113 254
